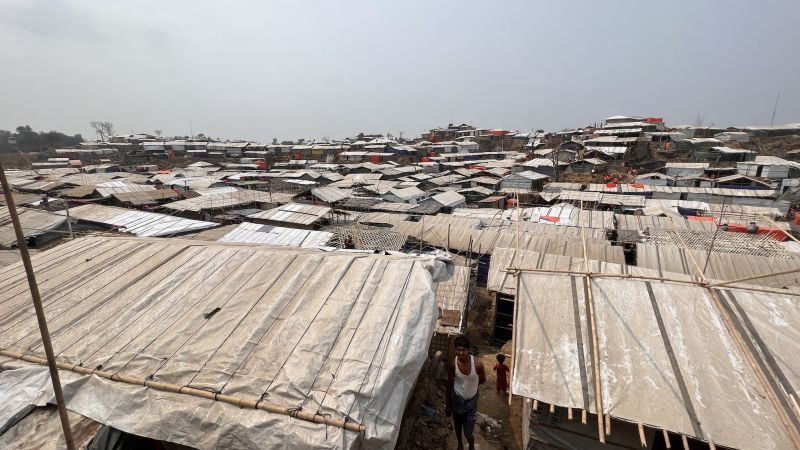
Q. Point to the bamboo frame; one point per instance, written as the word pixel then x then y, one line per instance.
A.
pixel 251 403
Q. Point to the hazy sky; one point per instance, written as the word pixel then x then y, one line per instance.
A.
pixel 290 69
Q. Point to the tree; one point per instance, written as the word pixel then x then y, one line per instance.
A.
pixel 274 141
pixel 104 129
pixel 158 132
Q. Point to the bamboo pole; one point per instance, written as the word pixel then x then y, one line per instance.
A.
pixel 627 276
pixel 514 324
pixel 598 392
pixel 252 403
pixel 514 330
pixel 50 362
pixel 741 280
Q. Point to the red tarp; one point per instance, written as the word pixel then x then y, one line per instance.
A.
pixel 702 218
pixel 774 233
pixel 553 219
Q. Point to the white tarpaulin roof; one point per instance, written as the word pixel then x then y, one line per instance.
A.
pixel 337 334
pixel 667 356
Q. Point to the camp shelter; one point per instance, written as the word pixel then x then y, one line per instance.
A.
pixel 223 345
pixel 711 364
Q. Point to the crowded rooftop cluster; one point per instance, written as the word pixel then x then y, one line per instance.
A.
pixel 644 279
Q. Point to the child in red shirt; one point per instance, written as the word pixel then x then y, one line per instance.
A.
pixel 502 370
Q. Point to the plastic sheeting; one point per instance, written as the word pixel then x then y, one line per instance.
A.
pixel 340 333
pixel 666 357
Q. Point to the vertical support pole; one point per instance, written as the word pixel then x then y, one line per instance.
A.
pixel 598 392
pixel 37 303
pixel 514 330
pixel 69 220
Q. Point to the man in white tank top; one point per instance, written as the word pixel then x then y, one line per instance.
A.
pixel 463 378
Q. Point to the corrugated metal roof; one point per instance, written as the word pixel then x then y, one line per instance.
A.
pixel 145 197
pixel 633 222
pixel 407 193
pixel 330 194
pixel 531 175
pixel 119 188
pixel 608 150
pixel 296 213
pixel 21 199
pixel 34 223
pixel 217 190
pixel 635 201
pixel 254 233
pixel 227 200
pixel 584 196
pixel 41 186
pixel 450 198
pixel 687 165
pixel 570 215
pixel 79 192
pixel 140 223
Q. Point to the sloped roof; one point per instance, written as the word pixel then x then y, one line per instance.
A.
pixel 254 233
pixel 227 200
pixel 330 194
pixel 286 327
pixel 450 198
pixel 140 223
pixel 674 356
pixel 295 213
pixel 34 223
pixel 407 193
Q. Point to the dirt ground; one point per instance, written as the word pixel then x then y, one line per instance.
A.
pixel 425 425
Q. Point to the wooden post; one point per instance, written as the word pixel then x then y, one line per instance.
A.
pixel 37 304
pixel 642 438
